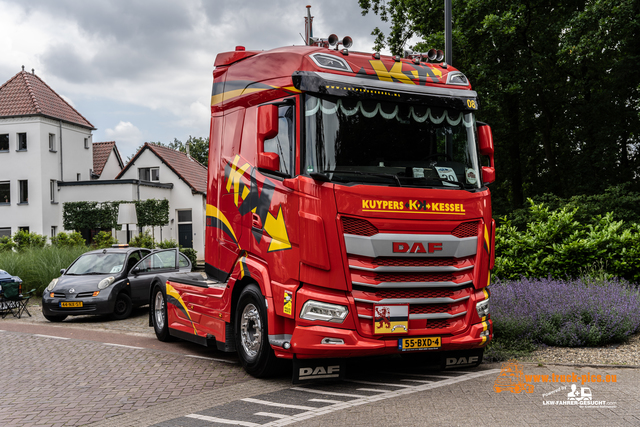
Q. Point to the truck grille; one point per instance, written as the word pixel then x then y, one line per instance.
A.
pixel 437 289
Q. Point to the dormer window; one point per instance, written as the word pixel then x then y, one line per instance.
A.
pixel 149 174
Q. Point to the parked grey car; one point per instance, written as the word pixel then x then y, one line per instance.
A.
pixel 110 281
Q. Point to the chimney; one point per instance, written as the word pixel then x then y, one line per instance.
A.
pixel 188 148
pixel 33 71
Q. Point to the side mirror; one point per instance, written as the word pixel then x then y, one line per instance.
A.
pixel 62 270
pixel 488 175
pixel 267 129
pixel 485 144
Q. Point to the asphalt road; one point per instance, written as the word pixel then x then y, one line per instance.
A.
pixel 92 371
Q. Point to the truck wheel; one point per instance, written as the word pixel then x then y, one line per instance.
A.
pixel 251 333
pixel 54 319
pixel 123 307
pixel 159 315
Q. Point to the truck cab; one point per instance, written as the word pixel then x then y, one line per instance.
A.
pixel 348 212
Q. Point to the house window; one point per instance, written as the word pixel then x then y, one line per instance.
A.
pixel 149 174
pixel 52 142
pixel 4 142
pixel 25 229
pixel 22 141
pixel 23 187
pixel 5 193
pixel 86 143
pixel 54 230
pixel 5 231
pixel 52 190
pixel 185 228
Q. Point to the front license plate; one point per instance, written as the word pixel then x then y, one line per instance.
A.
pixel 410 344
pixel 71 304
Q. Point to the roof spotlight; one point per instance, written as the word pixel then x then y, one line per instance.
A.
pixel 347 42
pixel 432 54
pixel 333 40
pixel 440 55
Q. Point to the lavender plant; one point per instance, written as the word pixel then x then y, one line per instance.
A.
pixel 577 312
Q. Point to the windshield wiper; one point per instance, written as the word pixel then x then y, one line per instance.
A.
pixel 381 175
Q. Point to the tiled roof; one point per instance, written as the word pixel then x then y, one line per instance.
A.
pixel 101 153
pixel 25 94
pixel 189 170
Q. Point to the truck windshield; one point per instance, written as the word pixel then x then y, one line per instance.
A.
pixel 390 143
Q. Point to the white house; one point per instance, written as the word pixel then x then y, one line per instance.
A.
pixel 47 158
pixel 43 140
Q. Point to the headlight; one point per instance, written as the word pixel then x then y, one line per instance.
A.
pixel 483 308
pixel 316 310
pixel 52 284
pixel 106 282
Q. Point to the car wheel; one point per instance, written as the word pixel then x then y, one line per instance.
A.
pixel 123 307
pixel 251 333
pixel 159 315
pixel 51 318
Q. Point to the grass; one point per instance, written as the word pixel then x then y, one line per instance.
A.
pixel 38 266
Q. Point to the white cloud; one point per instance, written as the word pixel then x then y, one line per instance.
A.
pixel 127 137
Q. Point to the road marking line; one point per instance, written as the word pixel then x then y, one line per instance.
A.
pixel 212 358
pixel 370 399
pixel 417 381
pixel 222 420
pixel 51 336
pixel 279 405
pixel 122 345
pixel 375 383
pixel 325 401
pixel 270 414
pixel 374 390
pixel 330 393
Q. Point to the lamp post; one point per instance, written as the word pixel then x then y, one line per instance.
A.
pixel 127 215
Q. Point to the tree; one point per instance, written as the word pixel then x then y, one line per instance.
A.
pixel 558 82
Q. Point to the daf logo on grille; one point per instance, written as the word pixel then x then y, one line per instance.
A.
pixel 416 247
pixel 71 290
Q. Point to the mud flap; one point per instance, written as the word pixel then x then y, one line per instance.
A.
pixel 315 370
pixel 461 359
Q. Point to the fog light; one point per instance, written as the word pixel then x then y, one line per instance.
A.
pixel 485 333
pixel 286 345
pixel 482 308
pixel 332 341
pixel 316 310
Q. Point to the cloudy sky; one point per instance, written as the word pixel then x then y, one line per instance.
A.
pixel 142 70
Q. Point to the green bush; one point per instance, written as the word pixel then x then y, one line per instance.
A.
pixel 555 244
pixel 63 239
pixel 167 244
pixel 143 240
pixel 103 239
pixel 38 266
pixel 25 240
pixel 6 244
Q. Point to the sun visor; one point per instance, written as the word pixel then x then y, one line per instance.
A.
pixel 367 88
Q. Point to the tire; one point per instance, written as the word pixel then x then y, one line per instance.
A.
pixel 158 307
pixel 252 335
pixel 54 319
pixel 123 307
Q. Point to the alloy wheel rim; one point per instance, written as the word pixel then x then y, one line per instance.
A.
pixel 250 330
pixel 159 310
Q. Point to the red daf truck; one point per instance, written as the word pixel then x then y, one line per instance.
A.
pixel 347 211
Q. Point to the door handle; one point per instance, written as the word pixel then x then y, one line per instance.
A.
pixel 256 222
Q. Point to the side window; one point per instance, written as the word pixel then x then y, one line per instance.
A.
pixel 183 261
pixel 284 143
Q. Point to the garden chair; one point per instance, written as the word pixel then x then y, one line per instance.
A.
pixel 13 301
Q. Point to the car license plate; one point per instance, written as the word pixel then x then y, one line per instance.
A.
pixel 71 304
pixel 410 344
